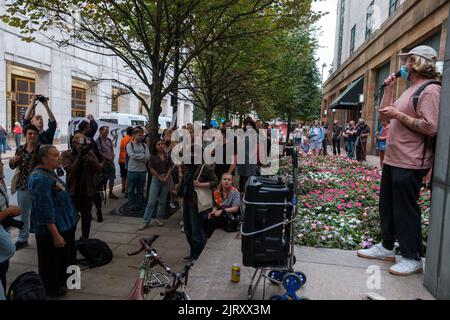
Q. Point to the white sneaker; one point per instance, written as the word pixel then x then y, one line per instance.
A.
pixel 157 222
pixel 406 267
pixel 377 252
pixel 172 205
pixel 143 226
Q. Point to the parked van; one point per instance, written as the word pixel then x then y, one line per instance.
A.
pixel 124 119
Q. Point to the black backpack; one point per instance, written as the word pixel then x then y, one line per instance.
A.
pixel 27 286
pixel 96 252
pixel 429 142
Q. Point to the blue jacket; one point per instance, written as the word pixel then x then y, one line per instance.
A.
pixel 321 136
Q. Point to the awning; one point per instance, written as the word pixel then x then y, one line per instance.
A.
pixel 349 99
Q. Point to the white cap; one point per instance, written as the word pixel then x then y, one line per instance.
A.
pixel 421 51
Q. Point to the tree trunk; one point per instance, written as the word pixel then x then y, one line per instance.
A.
pixel 289 127
pixel 155 111
pixel 208 117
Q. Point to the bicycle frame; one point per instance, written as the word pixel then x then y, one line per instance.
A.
pixel 149 278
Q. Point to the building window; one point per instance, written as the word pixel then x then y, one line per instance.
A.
pixel 115 100
pixel 341 32
pixel 392 6
pixel 23 90
pixel 369 20
pixel 78 102
pixel 352 39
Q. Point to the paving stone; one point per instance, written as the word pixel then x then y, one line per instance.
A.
pixel 114 237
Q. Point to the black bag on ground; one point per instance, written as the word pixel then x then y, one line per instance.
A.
pixel 27 286
pixel 96 252
pixel 232 221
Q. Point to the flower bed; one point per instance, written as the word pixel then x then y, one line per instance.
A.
pixel 338 203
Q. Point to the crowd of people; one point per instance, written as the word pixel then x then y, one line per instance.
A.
pixel 211 194
pixel 314 139
pixel 50 206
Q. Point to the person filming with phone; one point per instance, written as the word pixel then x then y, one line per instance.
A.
pixel 81 165
pixel 45 137
pixel 413 126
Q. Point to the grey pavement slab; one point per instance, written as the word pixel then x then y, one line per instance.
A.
pixel 332 275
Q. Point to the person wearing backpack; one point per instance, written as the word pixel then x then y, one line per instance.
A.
pixel 138 155
pixel 413 124
pixel 123 159
pixel 7 248
pixel 53 220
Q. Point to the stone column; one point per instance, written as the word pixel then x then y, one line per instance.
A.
pixel 437 271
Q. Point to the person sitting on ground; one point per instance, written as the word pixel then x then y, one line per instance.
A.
pixel 305 149
pixel 7 249
pixel 81 166
pixel 225 213
pixel 45 137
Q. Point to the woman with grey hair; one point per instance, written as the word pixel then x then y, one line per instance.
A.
pixel 53 220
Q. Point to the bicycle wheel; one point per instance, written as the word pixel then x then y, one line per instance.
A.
pixel 175 296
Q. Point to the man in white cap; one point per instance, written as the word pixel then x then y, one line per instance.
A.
pixel 413 123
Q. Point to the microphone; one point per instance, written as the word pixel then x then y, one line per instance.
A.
pixel 397 75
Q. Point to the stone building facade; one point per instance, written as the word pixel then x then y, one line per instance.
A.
pixel 366 56
pixel 64 74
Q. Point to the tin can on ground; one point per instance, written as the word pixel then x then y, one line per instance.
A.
pixel 236 272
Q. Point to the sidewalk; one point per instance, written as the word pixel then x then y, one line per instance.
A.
pixel 331 274
pixel 114 280
pixel 10 153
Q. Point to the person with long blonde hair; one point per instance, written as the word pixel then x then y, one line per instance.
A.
pixel 226 208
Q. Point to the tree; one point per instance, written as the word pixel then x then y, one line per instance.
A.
pixel 231 71
pixel 145 34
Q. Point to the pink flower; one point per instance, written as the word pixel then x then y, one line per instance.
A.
pixel 339 208
pixel 327 228
pixel 349 205
pixel 307 205
pixel 313 226
pixel 424 207
pixel 363 197
pixel 358 204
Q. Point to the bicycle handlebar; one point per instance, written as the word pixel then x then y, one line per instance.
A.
pixel 178 279
pixel 145 245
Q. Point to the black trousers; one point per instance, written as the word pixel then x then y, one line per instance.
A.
pixel 214 223
pixel 400 214
pixel 325 146
pixel 3 270
pixel 84 206
pixel 53 262
pixel 336 147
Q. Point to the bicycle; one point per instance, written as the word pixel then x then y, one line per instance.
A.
pixel 150 278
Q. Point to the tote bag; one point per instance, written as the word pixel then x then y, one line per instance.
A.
pixel 204 196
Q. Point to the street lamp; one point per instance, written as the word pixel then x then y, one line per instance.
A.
pixel 334 113
pixel 323 67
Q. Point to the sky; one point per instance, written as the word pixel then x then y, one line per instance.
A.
pixel 326 37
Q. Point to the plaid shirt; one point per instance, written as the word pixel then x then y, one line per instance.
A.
pixel 24 166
